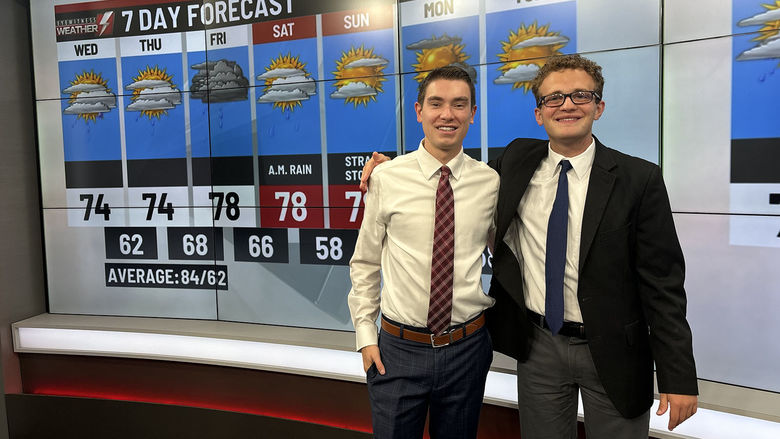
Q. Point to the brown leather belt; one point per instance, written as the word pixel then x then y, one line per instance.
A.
pixel 450 336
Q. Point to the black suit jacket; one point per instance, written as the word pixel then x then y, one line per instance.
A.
pixel 631 273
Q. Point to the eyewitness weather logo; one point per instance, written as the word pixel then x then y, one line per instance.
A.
pixel 359 76
pixel 439 52
pixel 525 51
pixel 287 83
pixel 153 93
pixel 89 96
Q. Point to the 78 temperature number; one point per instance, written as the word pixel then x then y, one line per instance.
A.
pixel 298 200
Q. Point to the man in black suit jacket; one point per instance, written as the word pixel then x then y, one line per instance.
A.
pixel 623 286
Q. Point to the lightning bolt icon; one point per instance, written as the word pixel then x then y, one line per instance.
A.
pixel 105 21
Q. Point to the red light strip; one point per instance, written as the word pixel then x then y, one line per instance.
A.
pixel 114 396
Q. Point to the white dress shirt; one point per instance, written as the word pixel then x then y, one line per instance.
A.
pixel 397 236
pixel 534 213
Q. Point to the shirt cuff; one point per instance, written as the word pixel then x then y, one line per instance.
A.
pixel 366 335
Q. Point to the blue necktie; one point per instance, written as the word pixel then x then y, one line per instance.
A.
pixel 555 257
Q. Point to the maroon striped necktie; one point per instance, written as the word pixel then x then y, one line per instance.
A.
pixel 440 307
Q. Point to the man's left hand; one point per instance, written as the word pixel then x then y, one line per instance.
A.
pixel 681 407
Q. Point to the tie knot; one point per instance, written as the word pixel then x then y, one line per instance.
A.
pixel 445 171
pixel 565 166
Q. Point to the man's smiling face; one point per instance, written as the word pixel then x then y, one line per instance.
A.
pixel 445 114
pixel 570 124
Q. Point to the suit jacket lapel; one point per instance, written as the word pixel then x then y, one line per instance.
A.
pixel 599 190
pixel 515 175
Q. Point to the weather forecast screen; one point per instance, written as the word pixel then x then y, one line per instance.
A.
pixel 201 158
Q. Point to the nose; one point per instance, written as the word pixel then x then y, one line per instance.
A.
pixel 446 112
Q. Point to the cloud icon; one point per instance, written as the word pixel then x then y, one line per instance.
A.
pixel 354 89
pixel 366 62
pixel 432 43
pixel 163 97
pixel 762 18
pixel 219 81
pixel 150 105
pixel 88 107
pixel 281 73
pixel 521 73
pixel 767 50
pixel 96 100
pixel 549 40
pixel 147 83
pixel 301 83
pixel 79 88
pixel 274 96
pixel 286 87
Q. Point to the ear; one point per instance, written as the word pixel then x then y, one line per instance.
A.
pixel 599 110
pixel 473 113
pixel 538 116
pixel 418 109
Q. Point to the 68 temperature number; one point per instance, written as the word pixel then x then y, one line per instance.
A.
pixel 195 244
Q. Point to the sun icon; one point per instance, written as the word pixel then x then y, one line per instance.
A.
pixel 359 74
pixel 93 79
pixel 448 53
pixel 771 28
pixel 149 86
pixel 282 63
pixel 526 50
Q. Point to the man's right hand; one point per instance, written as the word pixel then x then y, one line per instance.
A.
pixel 376 158
pixel 370 356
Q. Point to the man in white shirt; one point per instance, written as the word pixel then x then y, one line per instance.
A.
pixel 433 352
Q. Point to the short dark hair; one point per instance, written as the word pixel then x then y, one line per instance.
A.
pixel 574 62
pixel 453 73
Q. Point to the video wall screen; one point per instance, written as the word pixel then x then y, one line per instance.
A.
pixel 721 163
pixel 201 159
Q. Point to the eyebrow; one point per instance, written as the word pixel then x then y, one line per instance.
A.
pixel 561 92
pixel 439 98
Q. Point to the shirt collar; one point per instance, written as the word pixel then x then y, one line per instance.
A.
pixel 430 166
pixel 581 164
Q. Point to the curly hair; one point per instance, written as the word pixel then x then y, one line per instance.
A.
pixel 558 63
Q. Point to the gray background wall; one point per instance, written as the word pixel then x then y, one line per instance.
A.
pixel 22 280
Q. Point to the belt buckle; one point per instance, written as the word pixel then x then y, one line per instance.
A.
pixel 433 340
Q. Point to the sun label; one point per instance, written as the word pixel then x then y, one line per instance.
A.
pixel 336 23
pixel 356 21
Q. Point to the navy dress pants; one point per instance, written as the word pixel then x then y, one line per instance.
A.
pixel 448 381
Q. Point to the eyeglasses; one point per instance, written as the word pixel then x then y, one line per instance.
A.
pixel 577 97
